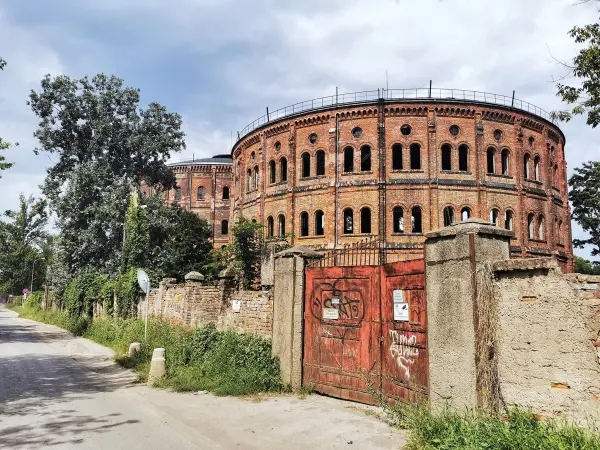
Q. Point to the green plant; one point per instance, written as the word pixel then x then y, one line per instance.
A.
pixel 247 247
pixel 34 300
pixel 127 293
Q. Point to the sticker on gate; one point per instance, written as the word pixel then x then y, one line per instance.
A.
pixel 401 309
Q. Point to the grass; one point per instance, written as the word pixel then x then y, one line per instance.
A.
pixel 224 363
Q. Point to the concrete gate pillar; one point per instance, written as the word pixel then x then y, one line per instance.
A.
pixel 452 256
pixel 288 310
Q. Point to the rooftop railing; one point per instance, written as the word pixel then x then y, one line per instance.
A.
pixel 417 94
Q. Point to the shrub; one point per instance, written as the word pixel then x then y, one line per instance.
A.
pixel 34 300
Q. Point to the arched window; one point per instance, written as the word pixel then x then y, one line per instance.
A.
pixel 177 194
pixel 303 223
pixel 536 168
pixel 463 158
pixel 255 177
pixel 348 221
pixel 505 161
pixel 526 163
pixel 365 158
pixel 541 235
pixel 530 225
pixel 224 227
pixel 305 165
pixel 446 157
pixel 249 181
pixel 225 193
pixel 348 159
pixel 281 223
pixel 491 163
pixel 319 223
pixel 398 214
pixel 555 176
pixel 200 193
pixel 270 226
pixel 283 170
pixel 415 157
pixel 494 213
pixel 396 157
pixel 320 155
pixel 365 220
pixel 465 214
pixel 272 172
pixel 416 220
pixel 448 215
pixel 508 220
pixel 558 232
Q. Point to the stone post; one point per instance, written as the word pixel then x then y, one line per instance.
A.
pixel 288 308
pixel 452 256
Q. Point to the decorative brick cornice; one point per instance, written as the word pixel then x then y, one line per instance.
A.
pixel 313 120
pixel 532 124
pixel 499 116
pixel 405 111
pixel 358 113
pixel 451 111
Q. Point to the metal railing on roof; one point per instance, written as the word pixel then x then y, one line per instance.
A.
pixel 416 94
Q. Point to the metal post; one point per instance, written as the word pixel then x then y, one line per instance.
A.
pixel 430 83
pixel 32 269
pixel 512 104
pixel 146 318
pixel 268 114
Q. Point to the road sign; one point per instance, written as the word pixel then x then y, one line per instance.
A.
pixel 143 281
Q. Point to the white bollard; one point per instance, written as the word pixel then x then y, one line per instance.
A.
pixel 157 366
pixel 134 348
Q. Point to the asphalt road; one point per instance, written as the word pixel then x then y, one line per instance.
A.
pixel 61 392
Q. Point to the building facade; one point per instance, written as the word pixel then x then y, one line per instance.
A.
pixel 333 171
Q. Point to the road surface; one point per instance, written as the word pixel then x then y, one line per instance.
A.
pixel 62 392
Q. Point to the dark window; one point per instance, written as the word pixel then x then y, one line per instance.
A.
pixel 505 161
pixel 283 170
pixel 415 157
pixel 398 214
pixel 225 193
pixel 498 134
pixel 465 214
pixel 454 130
pixel 446 157
pixel 200 193
pixel 558 230
pixel 526 162
pixel 348 221
pixel 312 138
pixel 365 158
pixel 531 140
pixel 536 168
pixel 305 165
pixel 348 159
pixel 463 158
pixel 494 213
pixel 357 132
pixel 319 223
pixel 272 172
pixel 555 176
pixel 416 220
pixel 508 220
pixel 255 177
pixel 249 181
pixel 304 223
pixel 530 225
pixel 405 130
pixel 224 227
pixel 365 220
pixel 277 146
pixel 491 156
pixel 177 194
pixel 281 222
pixel 448 215
pixel 396 157
pixel 270 226
pixel 320 155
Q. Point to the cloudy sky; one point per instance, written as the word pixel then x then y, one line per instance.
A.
pixel 221 62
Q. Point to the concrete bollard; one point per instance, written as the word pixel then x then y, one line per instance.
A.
pixel 157 366
pixel 134 348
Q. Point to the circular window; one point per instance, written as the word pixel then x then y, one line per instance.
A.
pixel 531 140
pixel 405 129
pixel 357 132
pixel 454 130
pixel 312 138
pixel 277 146
pixel 498 134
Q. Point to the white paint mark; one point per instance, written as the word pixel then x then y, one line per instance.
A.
pixel 403 350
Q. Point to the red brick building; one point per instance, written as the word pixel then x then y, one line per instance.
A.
pixel 399 163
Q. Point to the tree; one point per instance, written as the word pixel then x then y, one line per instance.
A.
pixel 106 146
pixel 585 198
pixel 582 265
pixel 3 144
pixel 586 67
pixel 247 248
pixel 22 241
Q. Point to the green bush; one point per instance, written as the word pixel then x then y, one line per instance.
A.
pixel 34 300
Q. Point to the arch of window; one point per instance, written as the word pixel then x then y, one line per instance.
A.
pixel 319 223
pixel 348 159
pixel 398 217
pixel 465 213
pixel 448 215
pixel 541 231
pixel 272 172
pixel 530 225
pixel 365 158
pixel 463 157
pixel 281 224
pixel 177 194
pixel 283 170
pixel 508 220
pixel 320 157
pixel 303 223
pixel 536 168
pixel 505 160
pixel 416 219
pixel 397 157
pixel 526 166
pixel 348 221
pixel 225 195
pixel 200 193
pixel 270 226
pixel 494 213
pixel 491 160
pixel 305 165
pixel 224 227
pixel 415 157
pixel 365 220
pixel 446 157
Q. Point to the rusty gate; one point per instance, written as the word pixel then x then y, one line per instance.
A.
pixel 365 331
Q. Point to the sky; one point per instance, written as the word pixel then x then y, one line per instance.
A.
pixel 219 63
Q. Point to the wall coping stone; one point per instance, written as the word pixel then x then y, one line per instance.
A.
pixel 476 226
pixel 194 276
pixel 510 265
pixel 299 250
pixel 583 278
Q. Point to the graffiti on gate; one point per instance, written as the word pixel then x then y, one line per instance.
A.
pixel 403 350
pixel 347 302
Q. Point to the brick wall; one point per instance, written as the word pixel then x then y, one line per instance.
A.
pixel 197 304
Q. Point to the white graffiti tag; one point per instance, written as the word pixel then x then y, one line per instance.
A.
pixel 403 350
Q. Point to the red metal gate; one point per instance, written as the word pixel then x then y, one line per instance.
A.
pixel 365 332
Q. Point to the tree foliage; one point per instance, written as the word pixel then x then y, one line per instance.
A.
pixel 3 144
pixel 247 247
pixel 585 199
pixel 582 265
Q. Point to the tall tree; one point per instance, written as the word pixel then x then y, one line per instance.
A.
pixel 106 145
pixel 3 144
pixel 22 240
pixel 585 198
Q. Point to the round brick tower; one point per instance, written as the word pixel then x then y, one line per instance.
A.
pixel 399 163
